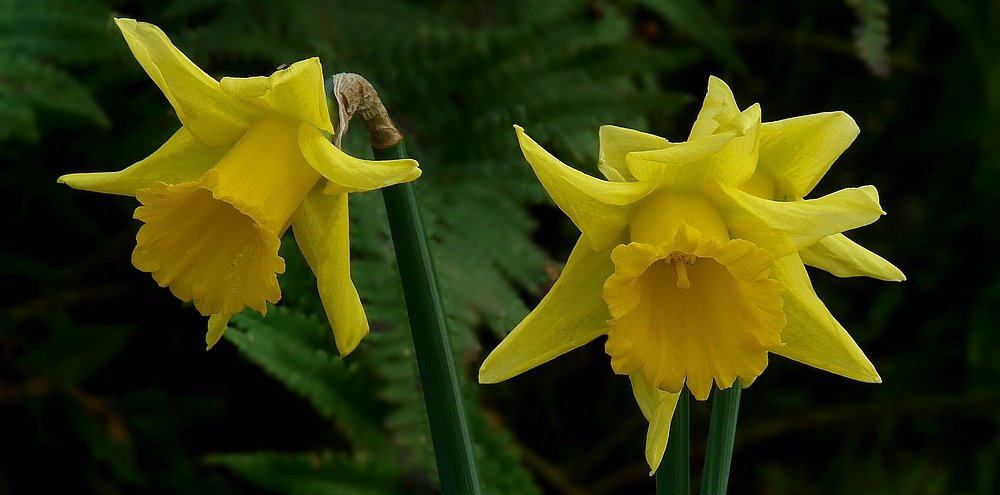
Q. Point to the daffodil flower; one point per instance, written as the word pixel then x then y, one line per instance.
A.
pixel 250 160
pixel 688 263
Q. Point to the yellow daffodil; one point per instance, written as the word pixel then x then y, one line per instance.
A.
pixel 690 258
pixel 250 161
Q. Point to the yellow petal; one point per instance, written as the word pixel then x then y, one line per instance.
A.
pixel 181 159
pixel 616 142
pixel 216 327
pixel 658 408
pixel 206 111
pixel 321 231
pixel 695 311
pixel 660 215
pixel 845 258
pixel 813 336
pixel 797 152
pixel 296 92
pixel 570 315
pixel 718 108
pixel 600 209
pixel 786 227
pixel 729 156
pixel 264 175
pixel 206 250
pixel 346 173
pixel 762 185
pixel 674 164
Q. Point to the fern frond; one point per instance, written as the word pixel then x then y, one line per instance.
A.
pixel 65 32
pixel 323 473
pixel 27 83
pixel 871 36
pixel 40 39
pixel 695 19
pixel 290 347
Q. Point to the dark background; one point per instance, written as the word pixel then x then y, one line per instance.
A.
pixel 105 386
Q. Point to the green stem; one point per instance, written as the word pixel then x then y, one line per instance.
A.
pixel 721 435
pixel 674 474
pixel 438 376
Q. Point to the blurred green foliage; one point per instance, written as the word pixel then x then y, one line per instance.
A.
pixel 104 383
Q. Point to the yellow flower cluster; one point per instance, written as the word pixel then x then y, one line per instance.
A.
pixel 250 161
pixel 691 256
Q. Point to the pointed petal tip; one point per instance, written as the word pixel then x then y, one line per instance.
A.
pixel 872 374
pixel 653 460
pixel 863 371
pixel 216 327
pixel 127 26
pixel 485 377
pixel 872 191
pixel 489 374
pixel 349 333
pixel 347 342
pixel 101 182
pixel 346 351
pixel 309 61
pixel 78 180
pixel 847 122
pixel 894 274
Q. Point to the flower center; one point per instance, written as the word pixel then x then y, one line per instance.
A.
pixel 694 311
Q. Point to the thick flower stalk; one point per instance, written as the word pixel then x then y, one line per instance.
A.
pixel 251 159
pixel 691 256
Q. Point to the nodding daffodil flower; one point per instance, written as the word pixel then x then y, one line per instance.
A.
pixel 690 258
pixel 250 160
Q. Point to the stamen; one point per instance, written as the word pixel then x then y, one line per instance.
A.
pixel 682 275
pixel 681 261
